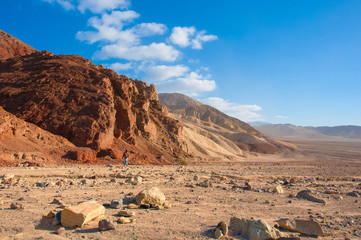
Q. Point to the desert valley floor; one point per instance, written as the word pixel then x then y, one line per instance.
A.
pixel 201 194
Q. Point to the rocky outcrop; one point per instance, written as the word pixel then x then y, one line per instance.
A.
pixel 214 122
pixel 90 106
pixel 65 95
pixel 12 47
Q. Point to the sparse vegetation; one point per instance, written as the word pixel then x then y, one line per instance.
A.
pixel 182 161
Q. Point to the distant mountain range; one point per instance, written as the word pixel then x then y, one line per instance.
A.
pixel 211 133
pixel 289 130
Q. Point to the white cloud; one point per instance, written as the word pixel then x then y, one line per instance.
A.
pixel 154 51
pixel 191 84
pixel 67 4
pixel 281 117
pixel 149 29
pixel 202 38
pixel 120 66
pixel 109 28
pixel 185 36
pixel 162 72
pixel 181 35
pixel 243 112
pixel 99 6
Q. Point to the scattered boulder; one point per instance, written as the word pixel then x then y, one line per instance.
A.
pixel 124 220
pixel 125 213
pixel 249 186
pixel 16 206
pixel 353 194
pixel 106 224
pixel 116 203
pixel 134 180
pixel 132 206
pixel 278 189
pixel 60 231
pixel 331 191
pixel 81 214
pixel 308 227
pixel 254 229
pixel 150 196
pixel 307 194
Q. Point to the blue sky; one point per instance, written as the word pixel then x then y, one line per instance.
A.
pixel 281 61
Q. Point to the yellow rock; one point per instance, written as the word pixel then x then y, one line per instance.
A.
pixel 77 216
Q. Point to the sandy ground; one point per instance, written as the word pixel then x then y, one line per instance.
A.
pixel 323 166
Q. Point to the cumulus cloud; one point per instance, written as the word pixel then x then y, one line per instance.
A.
pixel 99 6
pixel 67 4
pixel 109 28
pixel 154 51
pixel 243 112
pixel 185 36
pixel 161 73
pixel 190 84
pixel 120 66
pixel 202 38
pixel 181 35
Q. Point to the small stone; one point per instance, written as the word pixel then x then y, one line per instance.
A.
pixel 116 203
pixel 106 224
pixel 190 185
pixel 125 213
pixel 278 189
pixel 339 197
pixel 124 220
pixel 196 178
pixel 353 194
pixel 132 206
pixel 85 182
pixel 16 206
pixel 60 230
pixel 249 186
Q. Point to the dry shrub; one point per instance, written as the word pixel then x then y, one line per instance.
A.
pixel 182 161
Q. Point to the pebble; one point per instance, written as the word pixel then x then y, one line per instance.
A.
pixel 60 230
pixel 16 206
pixel 116 203
pixel 132 206
pixel 106 224
pixel 125 213
pixel 124 220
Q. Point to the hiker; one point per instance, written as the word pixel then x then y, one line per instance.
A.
pixel 125 156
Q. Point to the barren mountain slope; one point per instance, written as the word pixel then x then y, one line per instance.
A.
pixel 25 143
pixel 195 115
pixel 91 106
pixel 11 47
